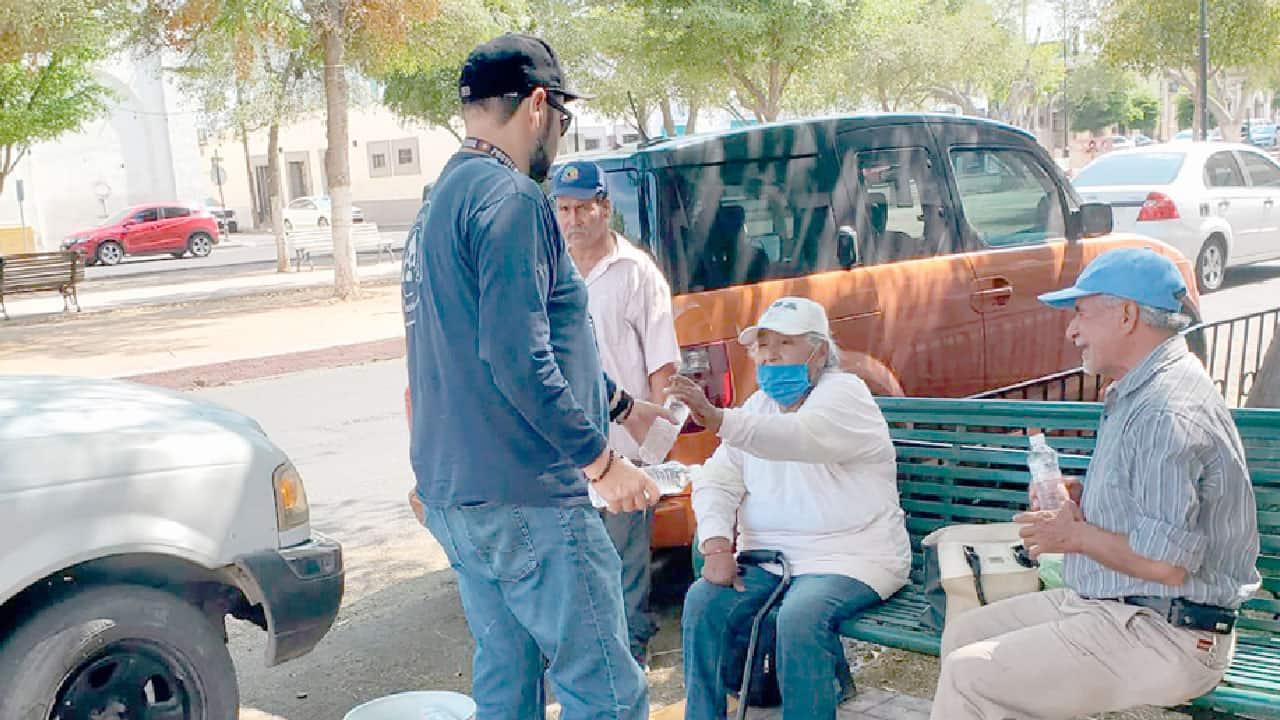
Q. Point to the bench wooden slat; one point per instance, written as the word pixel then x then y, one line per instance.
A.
pixel 1011 441
pixel 41 272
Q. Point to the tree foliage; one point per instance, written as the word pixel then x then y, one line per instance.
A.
pixel 47 82
pixel 1162 36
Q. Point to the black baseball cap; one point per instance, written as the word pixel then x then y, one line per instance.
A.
pixel 512 64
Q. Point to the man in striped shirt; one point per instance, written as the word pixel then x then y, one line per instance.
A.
pixel 1161 550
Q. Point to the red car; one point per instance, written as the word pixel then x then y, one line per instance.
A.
pixel 154 229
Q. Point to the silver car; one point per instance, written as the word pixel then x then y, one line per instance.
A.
pixel 1215 202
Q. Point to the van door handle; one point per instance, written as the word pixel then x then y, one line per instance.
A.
pixel 982 300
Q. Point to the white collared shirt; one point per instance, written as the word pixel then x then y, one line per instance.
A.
pixel 630 305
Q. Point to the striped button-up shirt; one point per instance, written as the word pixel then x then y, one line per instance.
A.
pixel 1169 473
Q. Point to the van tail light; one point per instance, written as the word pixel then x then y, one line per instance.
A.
pixel 1158 206
pixel 708 365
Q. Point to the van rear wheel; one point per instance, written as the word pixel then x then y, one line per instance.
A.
pixel 117 651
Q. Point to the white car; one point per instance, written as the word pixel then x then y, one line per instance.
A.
pixel 314 211
pixel 132 522
pixel 1218 203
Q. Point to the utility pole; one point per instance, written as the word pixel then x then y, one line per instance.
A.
pixel 1066 108
pixel 1203 82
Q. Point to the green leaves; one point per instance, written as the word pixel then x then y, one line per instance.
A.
pixel 47 83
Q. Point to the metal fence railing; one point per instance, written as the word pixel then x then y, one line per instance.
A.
pixel 1232 351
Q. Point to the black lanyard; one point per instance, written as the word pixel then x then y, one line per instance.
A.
pixel 493 151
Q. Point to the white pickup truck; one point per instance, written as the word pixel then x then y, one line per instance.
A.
pixel 132 522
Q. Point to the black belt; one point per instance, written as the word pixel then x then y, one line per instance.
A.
pixel 1186 614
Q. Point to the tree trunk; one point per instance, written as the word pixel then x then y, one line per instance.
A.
pixel 691 125
pixel 668 117
pixel 255 211
pixel 276 197
pixel 1265 392
pixel 346 284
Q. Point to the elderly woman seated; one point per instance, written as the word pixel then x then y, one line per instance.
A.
pixel 804 467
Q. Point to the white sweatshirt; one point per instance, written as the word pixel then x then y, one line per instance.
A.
pixel 818 484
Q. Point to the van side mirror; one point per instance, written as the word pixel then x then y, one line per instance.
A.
pixel 847 246
pixel 1095 219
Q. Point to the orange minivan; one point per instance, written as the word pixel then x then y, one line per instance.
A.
pixel 926 237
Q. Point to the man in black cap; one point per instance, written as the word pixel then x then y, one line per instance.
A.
pixel 510 407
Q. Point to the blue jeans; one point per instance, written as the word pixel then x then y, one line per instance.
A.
pixel 539 587
pixel 632 535
pixel 808 646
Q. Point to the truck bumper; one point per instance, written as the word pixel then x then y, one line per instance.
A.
pixel 300 590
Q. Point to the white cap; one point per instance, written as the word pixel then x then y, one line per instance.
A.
pixel 789 316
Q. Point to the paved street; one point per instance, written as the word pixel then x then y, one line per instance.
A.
pixel 238 252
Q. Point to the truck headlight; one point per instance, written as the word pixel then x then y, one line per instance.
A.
pixel 292 510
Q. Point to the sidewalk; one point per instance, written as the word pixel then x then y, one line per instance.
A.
pixel 220 336
pixel 119 293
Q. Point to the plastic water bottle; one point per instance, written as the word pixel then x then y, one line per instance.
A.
pixel 670 477
pixel 1046 476
pixel 662 434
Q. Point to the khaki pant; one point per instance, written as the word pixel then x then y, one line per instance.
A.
pixel 1054 654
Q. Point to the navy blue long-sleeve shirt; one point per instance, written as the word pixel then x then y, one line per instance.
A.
pixel 505 381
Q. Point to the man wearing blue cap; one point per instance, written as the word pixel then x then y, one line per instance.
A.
pixel 1161 550
pixel 630 305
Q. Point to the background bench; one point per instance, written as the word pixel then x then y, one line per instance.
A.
pixel 304 244
pixel 964 461
pixel 41 272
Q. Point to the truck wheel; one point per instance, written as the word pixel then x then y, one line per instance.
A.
pixel 117 651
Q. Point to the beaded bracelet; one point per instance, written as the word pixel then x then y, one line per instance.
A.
pixel 608 465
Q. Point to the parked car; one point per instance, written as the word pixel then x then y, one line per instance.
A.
pixel 226 216
pixel 1117 142
pixel 1213 202
pixel 927 238
pixel 1263 135
pixel 153 229
pixel 132 522
pixel 1140 140
pixel 314 211
pixel 1215 135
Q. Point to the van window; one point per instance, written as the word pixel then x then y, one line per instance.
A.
pixel 1007 196
pixel 624 196
pixel 902 204
pixel 743 222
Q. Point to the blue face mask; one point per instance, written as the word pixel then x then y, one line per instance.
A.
pixel 784 383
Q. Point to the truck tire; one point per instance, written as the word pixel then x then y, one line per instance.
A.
pixel 117 651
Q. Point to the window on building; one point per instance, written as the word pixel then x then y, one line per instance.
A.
pixel 379 158
pixel 406 155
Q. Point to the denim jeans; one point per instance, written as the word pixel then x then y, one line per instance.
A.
pixel 539 587
pixel 808 646
pixel 632 534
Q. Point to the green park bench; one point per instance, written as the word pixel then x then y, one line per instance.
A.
pixel 964 461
